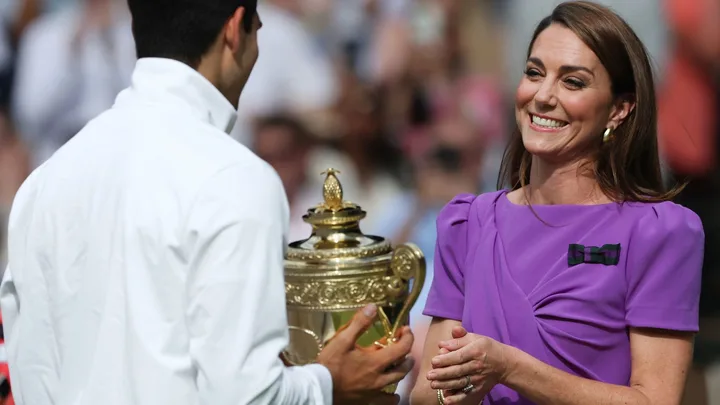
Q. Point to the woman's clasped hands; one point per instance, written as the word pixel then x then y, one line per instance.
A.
pixel 467 367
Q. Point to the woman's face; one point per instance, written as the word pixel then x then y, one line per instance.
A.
pixel 564 101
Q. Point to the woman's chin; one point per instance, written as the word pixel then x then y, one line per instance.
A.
pixel 545 148
pixel 549 153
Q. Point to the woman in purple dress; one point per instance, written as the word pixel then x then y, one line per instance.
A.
pixel 580 284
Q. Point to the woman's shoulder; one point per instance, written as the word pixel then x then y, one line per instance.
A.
pixel 459 208
pixel 454 225
pixel 667 220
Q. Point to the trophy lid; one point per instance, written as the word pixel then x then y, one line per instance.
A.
pixel 336 233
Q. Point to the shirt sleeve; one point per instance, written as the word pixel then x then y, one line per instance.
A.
pixel 447 293
pixel 664 269
pixel 236 297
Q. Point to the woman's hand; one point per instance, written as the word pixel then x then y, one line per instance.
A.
pixel 468 358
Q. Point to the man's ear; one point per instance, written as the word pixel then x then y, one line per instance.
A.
pixel 234 33
pixel 623 106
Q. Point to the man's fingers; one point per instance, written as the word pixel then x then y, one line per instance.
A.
pixel 397 373
pixel 360 323
pixel 397 351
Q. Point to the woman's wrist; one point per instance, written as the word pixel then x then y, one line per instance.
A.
pixel 512 359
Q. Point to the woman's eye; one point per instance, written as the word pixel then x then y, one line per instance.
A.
pixel 574 83
pixel 532 72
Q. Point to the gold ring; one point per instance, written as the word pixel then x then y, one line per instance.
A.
pixel 441 397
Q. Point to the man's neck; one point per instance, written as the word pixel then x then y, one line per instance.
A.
pixel 210 67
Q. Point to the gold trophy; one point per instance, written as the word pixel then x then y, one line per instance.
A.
pixel 338 270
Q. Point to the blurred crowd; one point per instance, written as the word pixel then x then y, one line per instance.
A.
pixel 412 100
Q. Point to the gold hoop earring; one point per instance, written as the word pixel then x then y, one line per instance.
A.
pixel 607 135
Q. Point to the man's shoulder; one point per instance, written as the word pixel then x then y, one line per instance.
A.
pixel 186 152
pixel 245 187
pixel 180 142
pixel 223 153
pixel 244 169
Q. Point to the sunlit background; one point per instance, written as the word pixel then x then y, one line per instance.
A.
pixel 411 99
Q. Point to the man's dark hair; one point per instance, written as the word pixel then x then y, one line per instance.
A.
pixel 183 30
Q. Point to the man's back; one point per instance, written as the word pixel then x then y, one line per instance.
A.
pixel 108 290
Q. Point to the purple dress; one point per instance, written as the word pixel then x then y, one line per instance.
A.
pixel 567 290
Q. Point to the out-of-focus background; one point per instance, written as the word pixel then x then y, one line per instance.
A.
pixel 411 99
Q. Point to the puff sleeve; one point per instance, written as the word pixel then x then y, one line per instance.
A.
pixel 447 292
pixel 664 269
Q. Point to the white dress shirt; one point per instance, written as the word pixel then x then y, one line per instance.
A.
pixel 146 261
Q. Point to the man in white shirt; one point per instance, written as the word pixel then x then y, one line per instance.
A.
pixel 146 255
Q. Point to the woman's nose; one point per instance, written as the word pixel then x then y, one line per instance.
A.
pixel 546 94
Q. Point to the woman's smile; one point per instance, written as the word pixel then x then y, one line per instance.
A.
pixel 541 123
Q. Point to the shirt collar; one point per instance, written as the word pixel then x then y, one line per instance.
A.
pixel 174 78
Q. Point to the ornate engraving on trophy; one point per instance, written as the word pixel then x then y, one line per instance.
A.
pixel 340 293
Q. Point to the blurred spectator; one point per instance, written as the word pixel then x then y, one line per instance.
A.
pixel 439 174
pixel 14 168
pixel 456 94
pixel 71 65
pixel 15 15
pixel 7 20
pixel 376 160
pixel 286 145
pixel 299 159
pixel 689 132
pixel 18 14
pixel 14 162
pixel 291 74
pixel 373 36
pixel 5 62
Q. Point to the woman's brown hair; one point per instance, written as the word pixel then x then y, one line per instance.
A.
pixel 627 168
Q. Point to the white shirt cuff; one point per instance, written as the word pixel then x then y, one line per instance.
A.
pixel 324 378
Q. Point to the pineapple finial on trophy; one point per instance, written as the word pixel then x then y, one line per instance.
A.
pixel 333 193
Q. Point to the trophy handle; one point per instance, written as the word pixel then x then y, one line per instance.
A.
pixel 408 263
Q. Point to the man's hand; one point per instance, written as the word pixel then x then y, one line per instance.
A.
pixel 360 375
